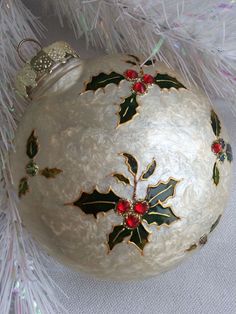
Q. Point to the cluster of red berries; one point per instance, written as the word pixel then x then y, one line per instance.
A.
pixel 218 147
pixel 132 212
pixel 140 83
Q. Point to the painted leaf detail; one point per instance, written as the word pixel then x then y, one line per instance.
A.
pixel 160 215
pixel 128 109
pixel 50 172
pixel 215 123
pixel 150 62
pixel 131 162
pixel 97 202
pixel 160 192
pixel 32 146
pixel 23 187
pixel 121 178
pixel 166 81
pixel 215 224
pixel 139 237
pixel 102 79
pixel 149 171
pixel 216 174
pixel 135 58
pixel 229 153
pixel 118 234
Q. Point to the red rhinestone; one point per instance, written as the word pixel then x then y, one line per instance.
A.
pixel 141 208
pixel 148 79
pixel 139 87
pixel 132 221
pixel 123 206
pixel 216 148
pixel 131 74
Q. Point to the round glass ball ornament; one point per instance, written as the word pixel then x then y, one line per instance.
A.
pixel 122 171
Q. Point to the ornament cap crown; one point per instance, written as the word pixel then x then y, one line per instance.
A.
pixel 43 63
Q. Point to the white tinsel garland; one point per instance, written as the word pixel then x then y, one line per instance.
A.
pixel 196 37
pixel 24 284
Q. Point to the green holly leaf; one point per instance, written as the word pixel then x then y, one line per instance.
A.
pixel 96 202
pixel 149 171
pixel 160 215
pixel 137 60
pixel 215 224
pixel 32 146
pixel 150 62
pixel 101 80
pixel 121 178
pixel 161 192
pixel 139 237
pixel 215 123
pixel 216 174
pixel 128 109
pixel 131 162
pixel 166 81
pixel 118 234
pixel 50 172
pixel 229 153
pixel 23 187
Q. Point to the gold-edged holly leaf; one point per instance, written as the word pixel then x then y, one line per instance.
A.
pixel 215 224
pixel 215 123
pixel 150 62
pixel 135 58
pixel 96 202
pixel 167 81
pixel 118 234
pixel 160 215
pixel 121 178
pixel 149 171
pixel 229 153
pixel 128 109
pixel 32 146
pixel 23 187
pixel 101 80
pixel 216 174
pixel 161 192
pixel 50 172
pixel 131 162
pixel 139 237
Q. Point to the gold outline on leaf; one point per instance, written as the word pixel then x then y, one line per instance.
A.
pixel 127 164
pixel 114 175
pixel 147 169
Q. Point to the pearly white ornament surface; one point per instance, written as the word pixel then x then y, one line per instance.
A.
pixel 77 133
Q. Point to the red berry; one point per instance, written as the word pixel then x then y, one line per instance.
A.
pixel 216 148
pixel 139 87
pixel 131 74
pixel 132 221
pixel 141 207
pixel 123 206
pixel 148 79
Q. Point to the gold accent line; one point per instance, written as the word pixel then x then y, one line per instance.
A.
pixel 99 202
pixel 160 214
pixel 118 235
pixel 109 78
pixel 139 235
pixel 161 193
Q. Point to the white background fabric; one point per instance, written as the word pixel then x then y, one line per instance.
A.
pixel 205 283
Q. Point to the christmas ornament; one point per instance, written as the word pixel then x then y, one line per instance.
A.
pixel 121 169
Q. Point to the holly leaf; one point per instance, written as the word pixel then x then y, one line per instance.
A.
pixel 121 178
pixel 131 162
pixel 160 215
pixel 215 123
pixel 101 80
pixel 50 172
pixel 32 146
pixel 216 174
pixel 118 234
pixel 215 224
pixel 166 81
pixel 160 192
pixel 229 153
pixel 149 171
pixel 96 202
pixel 139 237
pixel 128 109
pixel 23 187
pixel 150 62
pixel 135 58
